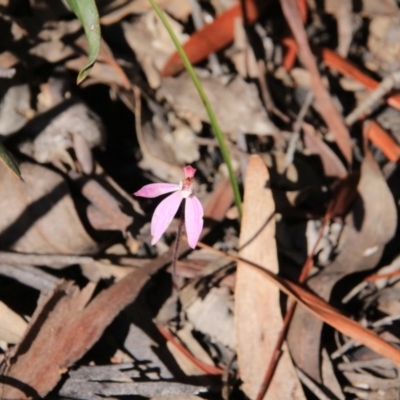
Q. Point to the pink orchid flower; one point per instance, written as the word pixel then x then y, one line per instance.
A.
pixel 166 210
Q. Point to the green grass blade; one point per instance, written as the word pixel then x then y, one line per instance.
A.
pixel 86 11
pixel 9 161
pixel 213 120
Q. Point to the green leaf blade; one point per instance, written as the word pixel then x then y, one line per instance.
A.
pixel 9 162
pixel 87 13
pixel 211 115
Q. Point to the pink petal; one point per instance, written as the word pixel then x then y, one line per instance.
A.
pixel 164 214
pixel 189 171
pixel 156 189
pixel 193 220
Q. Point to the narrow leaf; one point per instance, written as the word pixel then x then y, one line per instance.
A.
pixel 87 13
pixel 9 161
pixel 211 115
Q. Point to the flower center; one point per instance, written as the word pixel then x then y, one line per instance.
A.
pixel 187 187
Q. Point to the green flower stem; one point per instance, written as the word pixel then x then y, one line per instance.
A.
pixel 213 120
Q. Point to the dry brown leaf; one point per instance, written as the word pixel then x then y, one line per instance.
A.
pixel 12 325
pixel 51 46
pixel 342 10
pixel 36 211
pixel 139 343
pixel 98 270
pixel 8 59
pixel 215 306
pixel 384 44
pixel 331 163
pixel 60 311
pixel 115 12
pixel 185 336
pixel 328 375
pixel 14 107
pixel 371 224
pixel 368 8
pixel 163 150
pixel 106 64
pixel 93 389
pixel 105 210
pixel 49 135
pixel 101 72
pixel 53 51
pixel 247 115
pixel 258 319
pixel 157 156
pixel 371 8
pixel 150 41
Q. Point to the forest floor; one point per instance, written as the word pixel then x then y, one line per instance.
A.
pixel 292 294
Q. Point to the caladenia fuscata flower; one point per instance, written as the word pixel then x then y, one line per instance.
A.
pixel 166 210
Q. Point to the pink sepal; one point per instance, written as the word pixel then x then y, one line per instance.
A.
pixel 164 214
pixel 193 220
pixel 189 171
pixel 157 189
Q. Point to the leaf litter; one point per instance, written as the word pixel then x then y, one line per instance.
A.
pixel 88 306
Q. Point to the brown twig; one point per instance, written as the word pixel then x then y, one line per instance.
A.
pixel 57 260
pixel 297 127
pixel 208 369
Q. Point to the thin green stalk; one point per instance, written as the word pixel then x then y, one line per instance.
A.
pixel 213 120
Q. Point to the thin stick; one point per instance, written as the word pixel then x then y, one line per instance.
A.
pixel 390 82
pixel 318 393
pixel 266 94
pixel 297 127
